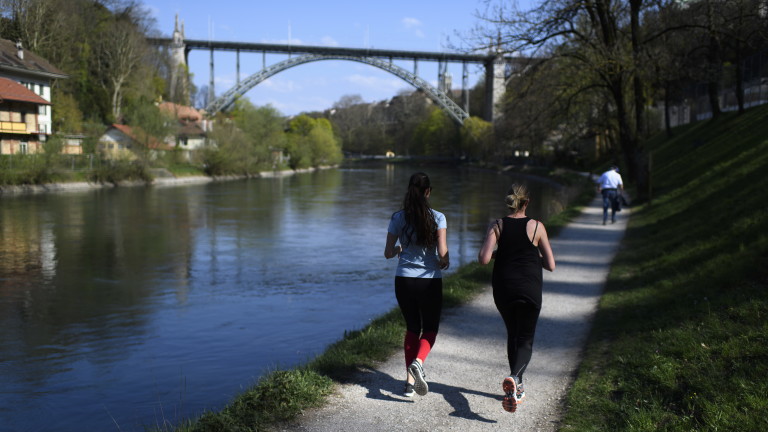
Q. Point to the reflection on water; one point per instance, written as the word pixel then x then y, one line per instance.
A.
pixel 134 306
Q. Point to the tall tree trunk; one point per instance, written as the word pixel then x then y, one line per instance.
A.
pixel 739 78
pixel 714 65
pixel 667 102
pixel 637 82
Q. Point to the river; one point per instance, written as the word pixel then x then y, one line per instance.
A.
pixel 132 307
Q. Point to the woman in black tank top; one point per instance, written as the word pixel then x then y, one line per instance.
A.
pixel 522 249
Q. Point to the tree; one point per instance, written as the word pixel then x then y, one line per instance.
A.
pixel 437 135
pixel 66 115
pixel 405 112
pixel 591 36
pixel 311 142
pixel 264 128
pixel 350 116
pixel 119 56
pixel 477 139
pixel 36 23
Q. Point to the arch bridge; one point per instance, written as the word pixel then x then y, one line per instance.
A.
pixel 496 69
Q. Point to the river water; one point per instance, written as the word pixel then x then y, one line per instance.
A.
pixel 132 307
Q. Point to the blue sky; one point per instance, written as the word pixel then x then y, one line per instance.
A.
pixel 382 24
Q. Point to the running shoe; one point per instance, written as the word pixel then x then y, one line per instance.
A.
pixel 510 401
pixel 408 391
pixel 520 393
pixel 420 377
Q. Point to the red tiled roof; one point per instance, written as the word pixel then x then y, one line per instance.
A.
pixel 181 112
pixel 11 90
pixel 152 142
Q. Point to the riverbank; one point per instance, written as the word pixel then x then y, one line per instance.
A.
pixel 165 180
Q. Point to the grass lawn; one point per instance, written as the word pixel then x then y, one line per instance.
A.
pixel 680 340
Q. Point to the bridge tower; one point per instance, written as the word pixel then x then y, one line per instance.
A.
pixel 179 89
pixel 495 86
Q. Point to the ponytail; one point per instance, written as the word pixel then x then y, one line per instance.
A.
pixel 419 219
pixel 517 197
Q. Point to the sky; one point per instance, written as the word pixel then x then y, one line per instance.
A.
pixel 415 25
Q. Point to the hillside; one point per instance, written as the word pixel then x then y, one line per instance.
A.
pixel 681 338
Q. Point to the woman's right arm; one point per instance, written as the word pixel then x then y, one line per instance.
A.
pixel 486 251
pixel 390 250
pixel 547 257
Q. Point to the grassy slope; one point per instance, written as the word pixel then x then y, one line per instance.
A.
pixel 680 341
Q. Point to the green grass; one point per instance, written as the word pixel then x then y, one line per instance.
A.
pixel 281 395
pixel 680 340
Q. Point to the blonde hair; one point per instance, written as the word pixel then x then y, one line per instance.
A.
pixel 517 197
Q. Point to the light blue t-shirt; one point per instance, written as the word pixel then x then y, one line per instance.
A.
pixel 416 261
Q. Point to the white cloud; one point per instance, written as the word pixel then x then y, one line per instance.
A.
pixel 292 41
pixel 329 41
pixel 410 23
pixel 280 85
pixel 375 83
pixel 413 25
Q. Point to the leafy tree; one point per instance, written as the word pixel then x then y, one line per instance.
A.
pixel 477 139
pixel 264 128
pixel 311 142
pixel 230 154
pixel 66 115
pixel 437 135
pixel 594 39
pixel 405 112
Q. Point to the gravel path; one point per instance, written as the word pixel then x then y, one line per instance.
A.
pixel 468 362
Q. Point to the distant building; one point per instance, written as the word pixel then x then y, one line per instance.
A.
pixel 125 142
pixel 192 127
pixel 26 117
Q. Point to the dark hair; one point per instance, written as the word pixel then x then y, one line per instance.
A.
pixel 419 219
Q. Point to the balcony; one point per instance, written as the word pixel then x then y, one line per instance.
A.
pixel 14 127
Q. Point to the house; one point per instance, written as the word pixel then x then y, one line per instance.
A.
pixel 20 128
pixel 36 75
pixel 126 142
pixel 193 127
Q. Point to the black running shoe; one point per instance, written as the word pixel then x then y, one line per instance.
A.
pixel 408 391
pixel 420 377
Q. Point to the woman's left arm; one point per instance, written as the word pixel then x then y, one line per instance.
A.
pixel 390 250
pixel 547 257
pixel 442 248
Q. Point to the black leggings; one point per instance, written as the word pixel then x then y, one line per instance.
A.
pixel 520 318
pixel 421 302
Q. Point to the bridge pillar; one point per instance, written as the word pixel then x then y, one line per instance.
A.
pixel 465 87
pixel 211 92
pixel 494 87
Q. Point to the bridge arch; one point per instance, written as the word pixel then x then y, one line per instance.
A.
pixel 439 97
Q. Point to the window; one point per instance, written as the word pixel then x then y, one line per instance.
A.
pixel 23 147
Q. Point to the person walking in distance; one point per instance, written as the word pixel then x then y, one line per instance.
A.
pixel 610 186
pixel 423 253
pixel 522 249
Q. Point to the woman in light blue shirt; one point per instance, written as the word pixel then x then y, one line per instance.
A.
pixel 423 253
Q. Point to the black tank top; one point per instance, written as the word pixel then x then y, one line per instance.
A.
pixel 517 274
